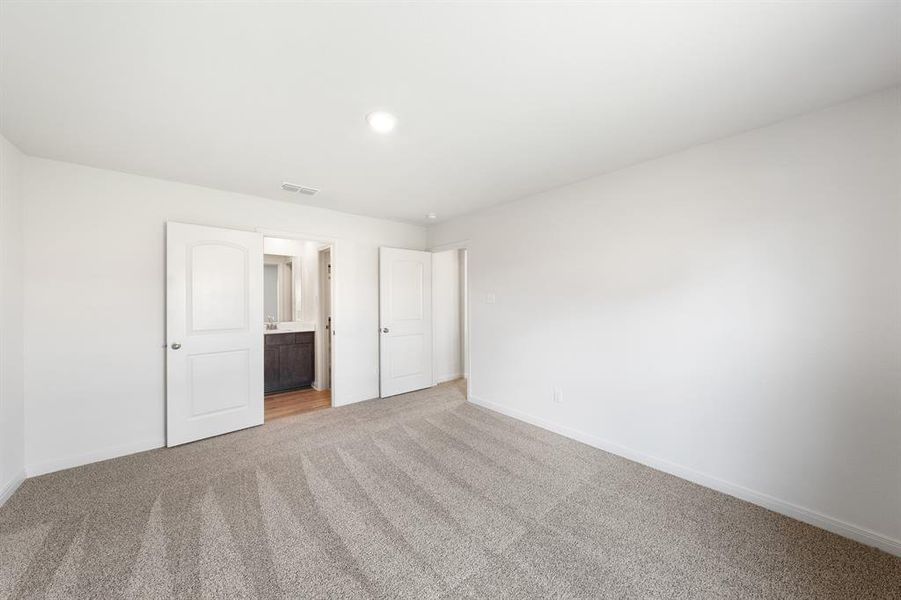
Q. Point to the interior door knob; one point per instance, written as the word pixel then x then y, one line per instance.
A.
pixel 176 346
pixel 384 330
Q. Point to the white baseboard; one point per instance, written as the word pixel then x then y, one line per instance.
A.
pixel 58 464
pixel 811 517
pixel 451 377
pixel 11 486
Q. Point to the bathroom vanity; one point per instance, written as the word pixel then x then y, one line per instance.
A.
pixel 288 360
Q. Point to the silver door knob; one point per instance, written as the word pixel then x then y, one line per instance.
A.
pixel 176 346
pixel 384 330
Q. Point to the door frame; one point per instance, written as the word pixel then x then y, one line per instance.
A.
pixel 467 309
pixel 333 244
pixel 324 276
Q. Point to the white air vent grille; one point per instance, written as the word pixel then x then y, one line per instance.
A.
pixel 294 187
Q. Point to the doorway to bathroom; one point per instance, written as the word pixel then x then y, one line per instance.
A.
pixel 297 293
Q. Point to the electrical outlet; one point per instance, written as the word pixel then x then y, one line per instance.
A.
pixel 490 298
pixel 558 396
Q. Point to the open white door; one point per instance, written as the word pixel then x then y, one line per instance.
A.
pixel 405 314
pixel 214 331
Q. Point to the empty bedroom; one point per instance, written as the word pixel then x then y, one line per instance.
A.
pixel 477 299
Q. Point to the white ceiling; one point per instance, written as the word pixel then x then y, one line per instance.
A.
pixel 494 100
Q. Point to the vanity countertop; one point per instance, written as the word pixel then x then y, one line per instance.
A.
pixel 293 329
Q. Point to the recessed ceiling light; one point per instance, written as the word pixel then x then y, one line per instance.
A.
pixel 431 216
pixel 381 121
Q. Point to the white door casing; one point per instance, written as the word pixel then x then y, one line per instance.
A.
pixel 214 331
pixel 326 324
pixel 405 316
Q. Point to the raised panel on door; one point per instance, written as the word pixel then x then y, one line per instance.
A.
pixel 408 291
pixel 218 287
pixel 407 354
pixel 218 382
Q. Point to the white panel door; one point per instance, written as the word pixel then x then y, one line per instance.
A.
pixel 405 314
pixel 214 331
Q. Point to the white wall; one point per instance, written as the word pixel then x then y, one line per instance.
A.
pixel 12 409
pixel 94 298
pixel 309 282
pixel 729 313
pixel 446 315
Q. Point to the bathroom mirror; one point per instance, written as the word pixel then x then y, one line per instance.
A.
pixel 280 287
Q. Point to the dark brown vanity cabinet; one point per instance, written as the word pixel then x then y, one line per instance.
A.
pixel 288 361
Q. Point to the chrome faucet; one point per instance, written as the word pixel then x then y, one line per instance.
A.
pixel 271 323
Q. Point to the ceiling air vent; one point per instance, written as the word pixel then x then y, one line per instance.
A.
pixel 293 187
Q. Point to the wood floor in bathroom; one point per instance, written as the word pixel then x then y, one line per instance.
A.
pixel 285 404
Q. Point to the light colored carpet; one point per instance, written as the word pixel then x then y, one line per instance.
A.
pixel 418 496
